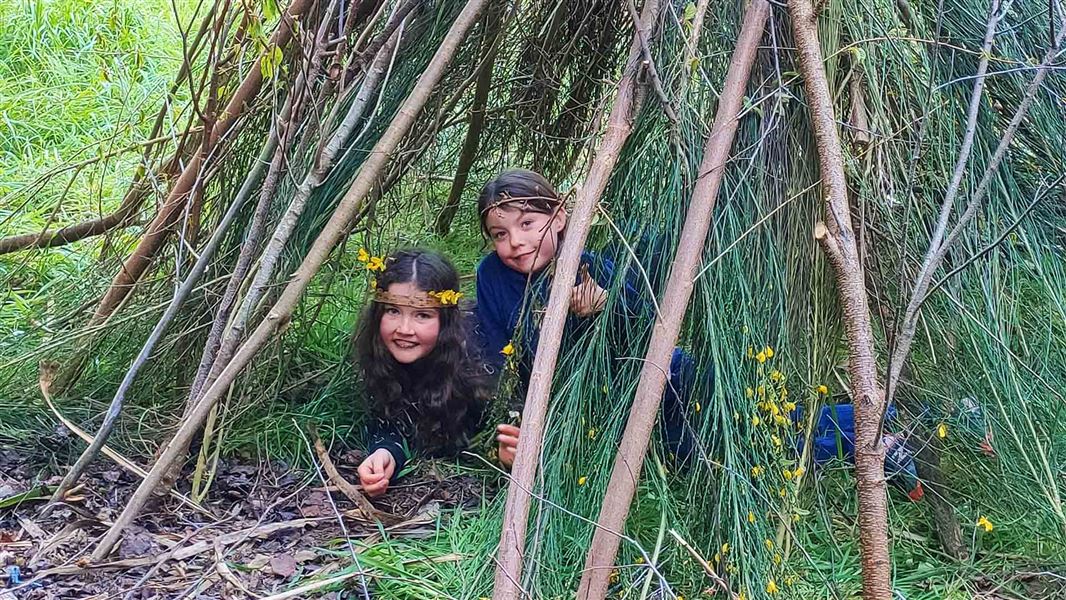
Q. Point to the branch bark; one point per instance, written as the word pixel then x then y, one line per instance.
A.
pixel 634 445
pixel 523 471
pixel 838 241
pixel 280 314
pixel 159 229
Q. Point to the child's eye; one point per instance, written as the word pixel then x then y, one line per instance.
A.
pixel 425 316
pixel 392 310
pixel 527 222
pixel 498 235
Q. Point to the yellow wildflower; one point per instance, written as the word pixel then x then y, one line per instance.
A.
pixel 742 596
pixel 757 471
pixel 769 352
pixel 725 548
pixel 592 433
pixel 942 431
pixel 508 349
pixel 769 544
pixel 717 557
pixel 447 296
pixel 781 492
pixel 798 472
pixel 761 356
pixel 581 480
pixel 771 587
pixel 776 440
pixel 787 474
pixel 756 420
pixel 795 517
pixel 780 421
pixel 777 559
pixel 751 352
pixel 732 569
pixel 376 263
pixel 640 560
pixel 761 390
pixel 822 389
pixel 784 393
pixel 789 406
pixel 698 407
pixel 749 392
pixel 790 580
pixel 984 522
pixel 362 256
pixel 751 517
pixel 776 375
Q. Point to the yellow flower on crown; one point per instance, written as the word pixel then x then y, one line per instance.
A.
pixel 447 297
pixel 376 263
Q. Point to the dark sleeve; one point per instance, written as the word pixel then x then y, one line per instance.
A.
pixel 383 434
pixel 491 322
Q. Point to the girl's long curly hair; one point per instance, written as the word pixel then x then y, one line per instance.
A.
pixel 438 400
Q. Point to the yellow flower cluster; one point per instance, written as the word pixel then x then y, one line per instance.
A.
pixel 373 263
pixel 447 297
pixel 985 523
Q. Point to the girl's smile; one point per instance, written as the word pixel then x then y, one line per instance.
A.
pixel 409 333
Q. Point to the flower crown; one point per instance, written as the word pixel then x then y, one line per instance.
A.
pixel 505 199
pixel 431 299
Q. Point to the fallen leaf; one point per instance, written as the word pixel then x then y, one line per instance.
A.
pixel 258 562
pixel 283 565
pixel 305 555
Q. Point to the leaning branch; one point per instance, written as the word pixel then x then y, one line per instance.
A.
pixel 516 510
pixel 634 444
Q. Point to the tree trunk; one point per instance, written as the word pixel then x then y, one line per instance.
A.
pixel 159 229
pixel 837 239
pixel 523 471
pixel 634 445
pixel 939 495
pixel 473 132
pixel 281 312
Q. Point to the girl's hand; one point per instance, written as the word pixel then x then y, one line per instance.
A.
pixel 587 298
pixel 507 436
pixel 375 472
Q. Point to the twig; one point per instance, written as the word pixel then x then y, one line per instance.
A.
pixel 715 577
pixel 649 64
pixel 350 491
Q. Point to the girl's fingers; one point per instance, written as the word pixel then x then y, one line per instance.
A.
pixel 508 430
pixel 507 440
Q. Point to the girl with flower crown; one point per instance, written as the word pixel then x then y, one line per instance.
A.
pixel 426 386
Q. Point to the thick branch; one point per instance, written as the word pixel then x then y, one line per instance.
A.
pixel 634 444
pixel 862 366
pixel 516 510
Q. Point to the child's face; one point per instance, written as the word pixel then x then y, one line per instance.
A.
pixel 525 241
pixel 408 332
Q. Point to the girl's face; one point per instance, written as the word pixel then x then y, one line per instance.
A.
pixel 409 333
pixel 525 241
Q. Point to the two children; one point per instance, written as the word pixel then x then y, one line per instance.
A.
pixel 428 381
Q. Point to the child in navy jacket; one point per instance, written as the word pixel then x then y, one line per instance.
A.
pixel 524 218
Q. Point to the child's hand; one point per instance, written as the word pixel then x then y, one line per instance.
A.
pixel 587 298
pixel 375 472
pixel 508 440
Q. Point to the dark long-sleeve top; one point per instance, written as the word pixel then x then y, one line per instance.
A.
pixel 397 432
pixel 501 292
